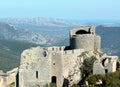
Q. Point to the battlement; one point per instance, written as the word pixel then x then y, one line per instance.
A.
pixel 73 51
pixel 55 48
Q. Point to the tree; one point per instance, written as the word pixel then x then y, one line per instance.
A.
pixel 87 67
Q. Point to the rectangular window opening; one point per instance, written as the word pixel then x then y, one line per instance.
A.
pixel 37 74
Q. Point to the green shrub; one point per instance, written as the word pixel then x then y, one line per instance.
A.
pixel 87 67
pixel 53 85
pixel 50 85
pixel 47 85
pixel 109 79
pixel 92 79
pixel 12 84
pixel 90 86
pixel 75 85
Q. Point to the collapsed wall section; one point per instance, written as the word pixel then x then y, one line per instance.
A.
pixel 72 63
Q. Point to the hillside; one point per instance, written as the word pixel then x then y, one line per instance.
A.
pixel 51 29
pixel 110 39
pixel 8 31
pixel 10 51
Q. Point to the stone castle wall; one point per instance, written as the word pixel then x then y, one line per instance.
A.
pixel 56 67
pixel 35 69
pixel 83 42
pixel 42 65
pixel 108 65
pixel 58 63
pixel 97 43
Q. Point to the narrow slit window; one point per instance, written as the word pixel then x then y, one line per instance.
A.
pixel 37 74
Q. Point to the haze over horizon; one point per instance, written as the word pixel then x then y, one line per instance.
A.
pixel 62 9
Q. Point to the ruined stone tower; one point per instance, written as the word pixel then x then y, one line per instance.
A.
pixel 60 65
pixel 84 38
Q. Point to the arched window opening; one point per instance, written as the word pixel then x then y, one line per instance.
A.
pixel 54 79
pixel 83 32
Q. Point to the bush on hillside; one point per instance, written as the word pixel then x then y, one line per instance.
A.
pixel 109 79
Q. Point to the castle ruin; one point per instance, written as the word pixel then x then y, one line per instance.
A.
pixel 61 65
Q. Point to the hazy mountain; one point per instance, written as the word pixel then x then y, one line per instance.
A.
pixel 52 30
pixel 40 21
pixel 8 31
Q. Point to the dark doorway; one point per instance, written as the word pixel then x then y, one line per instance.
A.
pixel 54 79
pixel 65 83
pixel 106 70
pixel 117 66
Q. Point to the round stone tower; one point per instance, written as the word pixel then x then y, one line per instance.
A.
pixel 84 38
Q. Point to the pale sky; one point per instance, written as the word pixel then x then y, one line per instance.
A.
pixel 63 9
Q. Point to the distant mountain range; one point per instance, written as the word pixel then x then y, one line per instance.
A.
pixel 37 30
pixel 8 31
pixel 19 34
pixel 40 22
